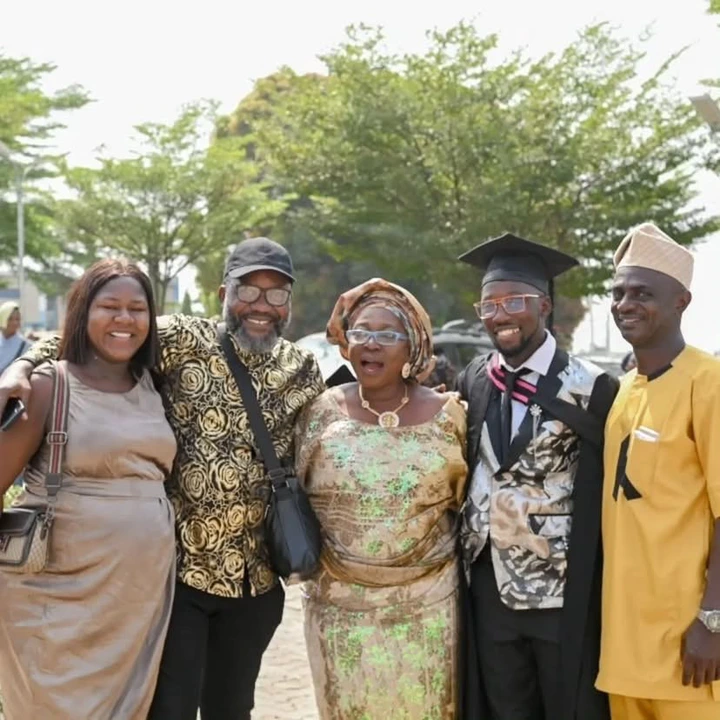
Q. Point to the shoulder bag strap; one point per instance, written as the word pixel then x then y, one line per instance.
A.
pixel 57 437
pixel 21 350
pixel 580 421
pixel 252 408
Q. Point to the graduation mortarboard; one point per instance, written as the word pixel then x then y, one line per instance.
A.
pixel 512 258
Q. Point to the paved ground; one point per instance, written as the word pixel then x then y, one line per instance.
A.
pixel 284 690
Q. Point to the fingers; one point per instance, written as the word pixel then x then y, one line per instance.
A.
pixel 19 388
pixel 710 671
pixel 698 671
pixel 22 391
pixel 688 670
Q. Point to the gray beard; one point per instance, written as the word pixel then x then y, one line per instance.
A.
pixel 250 343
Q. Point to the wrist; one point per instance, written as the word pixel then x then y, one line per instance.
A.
pixel 710 618
pixel 23 364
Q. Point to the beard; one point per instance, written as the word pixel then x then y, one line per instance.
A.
pixel 515 351
pixel 256 345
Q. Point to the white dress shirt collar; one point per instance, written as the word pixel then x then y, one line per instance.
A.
pixel 539 362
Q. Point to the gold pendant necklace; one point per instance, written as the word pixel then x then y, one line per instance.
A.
pixel 389 418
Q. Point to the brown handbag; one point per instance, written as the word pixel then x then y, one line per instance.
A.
pixel 25 532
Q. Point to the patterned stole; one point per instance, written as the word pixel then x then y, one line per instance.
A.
pixel 506 385
pixel 523 391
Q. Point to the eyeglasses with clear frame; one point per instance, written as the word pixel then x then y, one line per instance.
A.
pixel 277 297
pixel 511 304
pixel 381 337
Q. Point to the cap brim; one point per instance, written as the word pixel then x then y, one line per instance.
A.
pixel 247 269
pixel 553 262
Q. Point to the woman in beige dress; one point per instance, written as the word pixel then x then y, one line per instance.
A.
pixel 383 462
pixel 82 639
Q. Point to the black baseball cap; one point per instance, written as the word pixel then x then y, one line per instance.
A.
pixel 258 254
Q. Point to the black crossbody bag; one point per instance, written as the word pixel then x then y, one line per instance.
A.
pixel 291 527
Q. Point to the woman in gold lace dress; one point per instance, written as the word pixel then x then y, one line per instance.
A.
pixel 383 462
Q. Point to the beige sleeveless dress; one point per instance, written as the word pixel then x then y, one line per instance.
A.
pixel 83 639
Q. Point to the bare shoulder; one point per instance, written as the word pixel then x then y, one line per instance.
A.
pixel 346 395
pixel 433 398
pixel 42 383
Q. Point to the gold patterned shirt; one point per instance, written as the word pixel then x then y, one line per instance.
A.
pixel 219 488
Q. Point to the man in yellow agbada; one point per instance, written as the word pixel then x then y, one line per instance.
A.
pixel 660 656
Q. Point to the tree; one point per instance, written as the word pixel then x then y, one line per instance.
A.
pixel 406 161
pixel 186 307
pixel 29 118
pixel 321 277
pixel 174 203
pixel 209 278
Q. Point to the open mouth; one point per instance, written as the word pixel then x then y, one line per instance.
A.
pixel 258 322
pixel 372 367
pixel 117 335
pixel 507 333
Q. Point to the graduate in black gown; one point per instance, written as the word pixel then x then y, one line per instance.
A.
pixel 531 525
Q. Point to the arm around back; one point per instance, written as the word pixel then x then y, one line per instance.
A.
pixel 15 381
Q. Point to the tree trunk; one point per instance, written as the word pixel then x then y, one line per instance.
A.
pixel 568 314
pixel 158 286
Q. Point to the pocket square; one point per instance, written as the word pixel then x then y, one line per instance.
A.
pixel 647 434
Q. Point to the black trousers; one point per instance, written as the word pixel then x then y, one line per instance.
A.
pixel 518 652
pixel 212 654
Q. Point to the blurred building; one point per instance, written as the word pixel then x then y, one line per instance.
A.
pixel 40 311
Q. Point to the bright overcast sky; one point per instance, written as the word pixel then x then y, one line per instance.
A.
pixel 142 59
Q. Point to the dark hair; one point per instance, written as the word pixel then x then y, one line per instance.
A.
pixel 627 361
pixel 444 373
pixel 75 343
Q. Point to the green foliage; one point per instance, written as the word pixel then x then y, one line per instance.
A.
pixel 173 204
pixel 403 162
pixel 29 118
pixel 186 307
pixel 209 278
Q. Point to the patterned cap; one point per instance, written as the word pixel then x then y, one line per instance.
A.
pixel 647 246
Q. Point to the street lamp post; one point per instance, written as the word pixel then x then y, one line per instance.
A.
pixel 21 172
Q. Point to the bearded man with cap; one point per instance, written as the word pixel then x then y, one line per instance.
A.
pixel 661 505
pixel 228 600
pixel 531 524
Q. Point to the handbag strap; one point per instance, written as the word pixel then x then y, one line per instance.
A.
pixel 278 475
pixel 57 437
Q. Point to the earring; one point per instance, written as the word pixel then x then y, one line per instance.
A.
pixel 406 371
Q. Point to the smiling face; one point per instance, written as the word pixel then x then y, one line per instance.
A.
pixel 118 319
pixel 378 365
pixel 647 306
pixel 256 325
pixel 516 335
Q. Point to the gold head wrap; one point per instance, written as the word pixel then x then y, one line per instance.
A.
pixel 400 301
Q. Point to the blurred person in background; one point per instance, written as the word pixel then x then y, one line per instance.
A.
pixel 12 343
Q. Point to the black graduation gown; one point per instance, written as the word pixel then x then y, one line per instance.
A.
pixel 580 622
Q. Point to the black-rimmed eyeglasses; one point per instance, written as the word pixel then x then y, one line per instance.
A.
pixel 277 297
